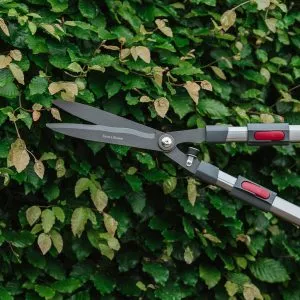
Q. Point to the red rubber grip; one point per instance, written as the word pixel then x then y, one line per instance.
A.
pixel 255 189
pixel 275 135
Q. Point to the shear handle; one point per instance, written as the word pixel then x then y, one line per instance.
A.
pixel 250 192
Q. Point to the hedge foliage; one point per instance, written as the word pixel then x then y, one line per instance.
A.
pixel 82 220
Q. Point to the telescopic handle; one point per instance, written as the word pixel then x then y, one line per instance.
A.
pixel 254 134
pixel 250 192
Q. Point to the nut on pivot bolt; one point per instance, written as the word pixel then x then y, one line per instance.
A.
pixel 166 142
pixel 191 154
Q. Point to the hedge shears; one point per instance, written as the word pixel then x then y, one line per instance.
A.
pixel 113 129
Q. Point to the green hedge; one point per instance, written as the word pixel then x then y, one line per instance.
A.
pixel 83 220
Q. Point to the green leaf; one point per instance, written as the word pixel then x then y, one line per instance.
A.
pixel 210 274
pixel 88 8
pixel 4 294
pixel 213 108
pixel 78 221
pixel 59 213
pixel 102 60
pixel 169 185
pixel 9 91
pixel 38 85
pixel 67 286
pixel 58 5
pixel 103 283
pixel 137 200
pixel 48 220
pixel 159 272
pixel 44 291
pixel 269 270
pixel 112 87
pixel 254 76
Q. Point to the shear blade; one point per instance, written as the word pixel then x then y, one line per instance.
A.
pixel 108 134
pixel 100 117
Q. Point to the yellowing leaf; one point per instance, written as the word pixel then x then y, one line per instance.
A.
pixel 219 72
pixel 251 292
pixel 4 61
pixel 69 89
pixel 271 24
pixel 161 106
pixel 50 29
pixel 4 27
pixel 188 255
pixel 193 89
pixel 55 113
pixel 231 288
pixel 158 75
pixel 33 213
pixel 99 199
pixel 111 47
pixel 206 85
pixel 17 72
pixel 110 224
pixel 143 53
pixel 134 53
pixel 145 99
pixel 57 240
pixel 36 115
pixel 192 191
pixel 75 67
pixel 78 221
pixel 44 242
pixel 266 118
pixel 124 53
pixel 19 156
pixel 60 168
pixel 228 19
pixel 15 54
pixel 212 238
pixel 32 27
pixel 266 73
pixel 39 169
pixel 161 25
pixel 113 243
pixel 81 185
pixel 262 4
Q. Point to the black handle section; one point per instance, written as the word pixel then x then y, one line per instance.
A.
pixel 275 134
pixel 207 172
pixel 216 133
pixel 253 193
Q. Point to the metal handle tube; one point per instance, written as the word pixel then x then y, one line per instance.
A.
pixel 258 134
pixel 250 192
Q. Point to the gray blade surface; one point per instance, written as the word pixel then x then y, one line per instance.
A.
pixel 100 117
pixel 107 134
pixel 196 136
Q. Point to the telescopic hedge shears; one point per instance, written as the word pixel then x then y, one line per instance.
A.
pixel 113 129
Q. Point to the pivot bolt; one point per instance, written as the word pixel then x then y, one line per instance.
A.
pixel 166 142
pixel 191 154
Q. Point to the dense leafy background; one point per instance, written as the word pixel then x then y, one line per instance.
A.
pixel 83 220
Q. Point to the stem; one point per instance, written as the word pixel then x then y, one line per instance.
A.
pixel 236 7
pixel 35 159
pixel 294 88
pixel 17 130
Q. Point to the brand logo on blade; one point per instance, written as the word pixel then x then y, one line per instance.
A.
pixel 112 137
